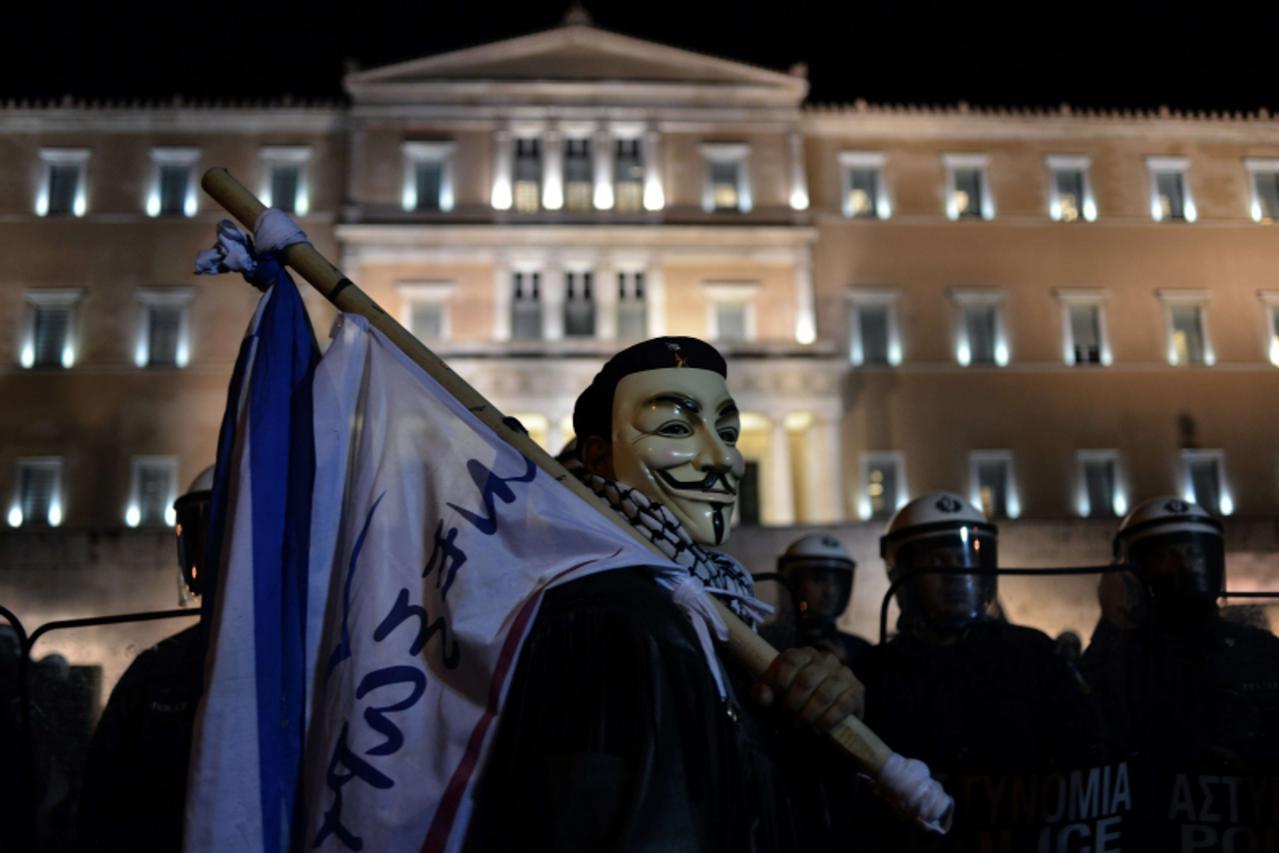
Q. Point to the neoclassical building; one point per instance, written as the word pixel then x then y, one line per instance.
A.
pixel 1054 313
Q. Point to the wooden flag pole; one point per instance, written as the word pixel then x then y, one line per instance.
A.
pixel 746 647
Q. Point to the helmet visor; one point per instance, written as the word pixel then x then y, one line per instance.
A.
pixel 192 527
pixel 944 584
pixel 822 592
pixel 1184 566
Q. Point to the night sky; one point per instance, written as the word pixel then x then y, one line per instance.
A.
pixel 1111 54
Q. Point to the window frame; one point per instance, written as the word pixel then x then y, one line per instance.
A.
pixel 977 161
pixel 1181 297
pixel 438 292
pixel 439 151
pixel 1270 324
pixel 51 297
pixel 133 512
pixel 965 297
pixel 1259 166
pixel 1085 297
pixel 1163 165
pixel 149 298
pixel 1072 162
pixel 1119 497
pixel 271 156
pixel 50 157
pixel 886 297
pixel 727 152
pixel 1012 500
pixel 1189 455
pixel 850 160
pixel 173 156
pixel 869 459
pixel 722 293
pixel 57 504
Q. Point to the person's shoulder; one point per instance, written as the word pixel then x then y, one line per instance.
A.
pixel 626 599
pixel 1254 640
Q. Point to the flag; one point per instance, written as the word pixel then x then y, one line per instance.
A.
pixel 437 539
pixel 249 736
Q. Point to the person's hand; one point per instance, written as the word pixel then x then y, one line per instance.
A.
pixel 812 687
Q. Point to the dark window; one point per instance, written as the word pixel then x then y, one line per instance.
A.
pixel 1205 480
pixel 632 311
pixel 1266 185
pixel 428 177
pixel 1085 333
pixel 628 177
pixel 52 328
pixel 872 326
pixel 155 488
pixel 1187 334
pixel 64 183
pixel 1069 185
pixel 992 486
pixel 427 318
pixel 863 192
pixel 1170 187
pixel 981 324
pixel 968 192
pixel 578 172
pixel 37 485
pixel 725 192
pixel 164 325
pixel 174 180
pixel 526 306
pixel 528 175
pixel 579 305
pixel 731 321
pixel 881 487
pixel 1099 482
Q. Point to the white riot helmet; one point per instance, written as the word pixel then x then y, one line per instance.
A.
pixel 192 528
pixel 943 540
pixel 1177 549
pixel 819 572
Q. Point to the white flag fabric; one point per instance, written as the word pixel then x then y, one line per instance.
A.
pixel 437 540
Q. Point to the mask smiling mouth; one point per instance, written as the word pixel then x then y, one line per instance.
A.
pixel 706 485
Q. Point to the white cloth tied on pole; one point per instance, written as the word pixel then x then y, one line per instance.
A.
pixel 252 257
pixel 909 787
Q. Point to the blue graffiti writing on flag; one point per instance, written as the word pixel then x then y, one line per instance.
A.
pixel 447 558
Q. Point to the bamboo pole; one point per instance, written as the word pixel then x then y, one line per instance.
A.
pixel 746 647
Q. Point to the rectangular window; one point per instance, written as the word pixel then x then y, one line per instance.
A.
pixel 526 306
pixel 428 176
pixel 1170 199
pixel 38 496
pixel 980 336
pixel 285 185
pixel 632 307
pixel 62 187
pixel 425 308
pixel 427 321
pixel 980 324
pixel 163 336
pixel 173 190
pixel 727 186
pixel 528 175
pixel 1070 191
pixel 628 176
pixel 1085 331
pixel 428 179
pixel 1084 339
pixel 991 472
pixel 873 333
pixel 579 304
pixel 153 489
pixel 579 174
pixel 1264 177
pixel 967 187
pixel 1204 482
pixel 881 485
pixel 1270 304
pixel 731 321
pixel 1099 493
pixel 863 185
pixel 1188 341
pixel 48 335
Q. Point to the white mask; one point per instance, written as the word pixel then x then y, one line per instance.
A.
pixel 674 438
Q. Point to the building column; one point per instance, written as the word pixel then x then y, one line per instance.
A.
pixel 824 475
pixel 503 156
pixel 654 195
pixel 798 173
pixel 606 301
pixel 552 170
pixel 602 154
pixel 779 508
pixel 501 299
pixel 805 310
pixel 552 302
pixel 554 432
pixel 655 300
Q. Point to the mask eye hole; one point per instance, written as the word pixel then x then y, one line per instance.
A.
pixel 675 429
pixel 729 435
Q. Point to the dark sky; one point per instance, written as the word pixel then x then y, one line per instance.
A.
pixel 1140 54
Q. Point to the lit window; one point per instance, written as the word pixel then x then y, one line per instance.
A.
pixel 1264 177
pixel 632 306
pixel 727 185
pixel 37 498
pixel 992 478
pixel 967 187
pixel 528 175
pixel 1270 303
pixel 62 186
pixel 164 331
pixel 526 305
pixel 862 190
pixel 873 337
pixel 1188 342
pixel 1099 494
pixel 285 183
pixel 579 182
pixel 981 336
pixel 1084 339
pixel 425 308
pixel 1170 199
pixel 48 335
pixel 579 304
pixel 628 176
pixel 428 176
pixel 882 485
pixel 173 189
pixel 153 487
pixel 1204 482
pixel 1070 191
pixel 732 309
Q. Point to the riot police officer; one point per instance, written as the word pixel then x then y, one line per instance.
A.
pixel 818 572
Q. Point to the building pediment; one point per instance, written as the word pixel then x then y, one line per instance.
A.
pixel 572 63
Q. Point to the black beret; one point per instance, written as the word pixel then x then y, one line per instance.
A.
pixel 593 413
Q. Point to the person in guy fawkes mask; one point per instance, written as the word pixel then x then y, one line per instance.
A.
pixel 818 572
pixel 617 737
pixel 135 778
pixel 1187 688
pixel 969 694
